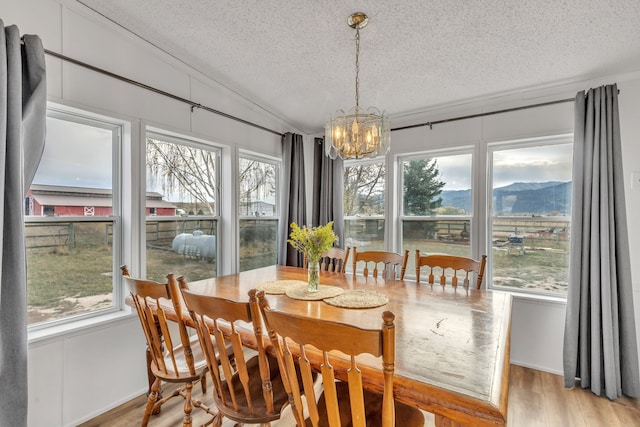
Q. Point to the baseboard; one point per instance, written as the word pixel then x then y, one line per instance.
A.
pixel 107 408
pixel 537 368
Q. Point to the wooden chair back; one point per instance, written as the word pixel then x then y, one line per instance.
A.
pixel 292 335
pixel 174 356
pixel 335 260
pixel 451 268
pixel 246 391
pixel 393 264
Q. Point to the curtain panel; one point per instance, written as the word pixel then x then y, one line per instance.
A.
pixel 23 104
pixel 328 190
pixel 600 339
pixel 292 198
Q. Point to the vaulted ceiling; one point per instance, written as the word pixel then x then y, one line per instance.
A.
pixel 296 58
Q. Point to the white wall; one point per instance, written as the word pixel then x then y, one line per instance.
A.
pixel 109 356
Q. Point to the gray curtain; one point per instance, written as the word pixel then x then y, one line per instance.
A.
pixel 23 102
pixel 292 198
pixel 328 190
pixel 600 338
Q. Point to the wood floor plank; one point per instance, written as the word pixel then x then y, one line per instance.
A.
pixel 536 399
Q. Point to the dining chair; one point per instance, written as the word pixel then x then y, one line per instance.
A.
pixel 394 264
pixel 299 341
pixel 335 259
pixel 175 355
pixel 451 268
pixel 248 389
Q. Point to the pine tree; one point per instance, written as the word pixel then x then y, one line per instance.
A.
pixel 422 187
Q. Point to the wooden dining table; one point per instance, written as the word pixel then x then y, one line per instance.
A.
pixel 452 344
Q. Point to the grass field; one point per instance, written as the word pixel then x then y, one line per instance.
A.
pixel 67 279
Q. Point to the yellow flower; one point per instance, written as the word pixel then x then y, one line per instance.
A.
pixel 313 242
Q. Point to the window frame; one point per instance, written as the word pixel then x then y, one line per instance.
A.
pixel 117 128
pixel 511 144
pixel 150 132
pixel 277 163
pixel 471 216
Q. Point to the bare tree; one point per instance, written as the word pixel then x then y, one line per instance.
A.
pixel 256 178
pixel 364 189
pixel 257 183
pixel 183 170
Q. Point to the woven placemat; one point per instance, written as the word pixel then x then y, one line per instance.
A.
pixel 278 287
pixel 358 299
pixel 301 292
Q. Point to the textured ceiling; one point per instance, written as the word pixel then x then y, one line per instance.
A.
pixel 296 58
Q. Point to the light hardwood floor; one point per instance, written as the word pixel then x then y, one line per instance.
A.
pixel 536 399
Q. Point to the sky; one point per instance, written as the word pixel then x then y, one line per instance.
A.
pixel 75 155
pixel 550 163
pixel 534 164
pixel 80 155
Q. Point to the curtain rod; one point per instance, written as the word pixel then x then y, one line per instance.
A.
pixel 488 113
pixel 193 105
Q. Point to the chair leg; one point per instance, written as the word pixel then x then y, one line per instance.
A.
pixel 151 401
pixel 203 382
pixel 188 405
pixel 214 415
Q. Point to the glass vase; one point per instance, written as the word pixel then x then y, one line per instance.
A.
pixel 313 276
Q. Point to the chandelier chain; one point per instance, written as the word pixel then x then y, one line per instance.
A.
pixel 357 68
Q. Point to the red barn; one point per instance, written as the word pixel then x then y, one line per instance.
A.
pixel 54 200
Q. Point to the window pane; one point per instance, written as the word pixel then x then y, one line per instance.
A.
pixel 438 185
pixel 70 261
pixel 364 205
pixel 258 213
pixel 257 188
pixel 181 227
pixel 531 218
pixel 258 243
pixel 443 237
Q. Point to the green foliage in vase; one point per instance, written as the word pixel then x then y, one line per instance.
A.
pixel 313 242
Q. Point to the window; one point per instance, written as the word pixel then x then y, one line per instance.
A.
pixel 73 253
pixel 530 215
pixel 181 208
pixel 436 204
pixel 364 205
pixel 257 207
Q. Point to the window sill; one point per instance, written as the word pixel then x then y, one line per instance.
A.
pixel 58 332
pixel 535 298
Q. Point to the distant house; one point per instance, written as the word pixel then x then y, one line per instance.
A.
pixel 54 200
pixel 257 207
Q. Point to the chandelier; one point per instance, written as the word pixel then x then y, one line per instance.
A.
pixel 357 133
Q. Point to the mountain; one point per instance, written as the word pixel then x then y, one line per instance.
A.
pixel 520 198
pixel 460 199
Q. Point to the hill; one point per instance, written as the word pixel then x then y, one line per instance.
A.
pixel 520 198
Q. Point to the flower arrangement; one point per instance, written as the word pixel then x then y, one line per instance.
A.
pixel 313 242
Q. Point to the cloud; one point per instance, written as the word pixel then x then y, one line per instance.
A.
pixel 76 154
